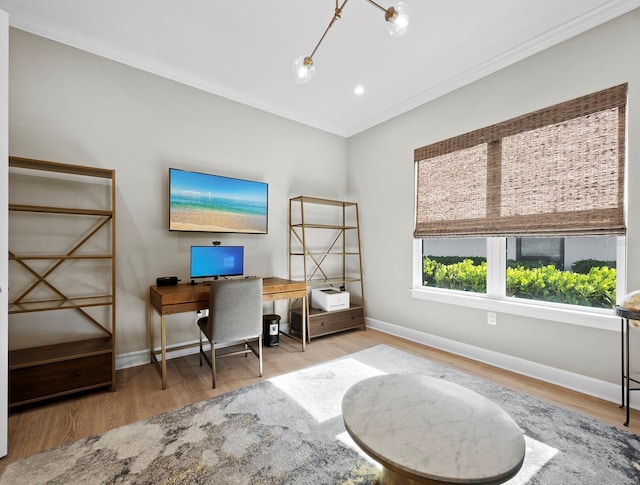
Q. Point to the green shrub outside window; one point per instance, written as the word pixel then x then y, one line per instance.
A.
pixel 591 282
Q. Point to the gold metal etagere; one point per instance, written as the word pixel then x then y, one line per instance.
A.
pixel 47 371
pixel 324 250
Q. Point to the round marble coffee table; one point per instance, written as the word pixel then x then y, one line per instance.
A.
pixel 427 430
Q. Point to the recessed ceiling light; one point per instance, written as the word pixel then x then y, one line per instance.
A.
pixel 359 90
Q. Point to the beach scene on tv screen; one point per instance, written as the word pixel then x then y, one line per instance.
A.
pixel 211 203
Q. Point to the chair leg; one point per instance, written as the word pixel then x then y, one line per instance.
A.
pixel 200 353
pixel 213 366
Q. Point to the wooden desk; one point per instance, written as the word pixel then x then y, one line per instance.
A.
pixel 168 300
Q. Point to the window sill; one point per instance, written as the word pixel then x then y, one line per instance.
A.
pixel 593 317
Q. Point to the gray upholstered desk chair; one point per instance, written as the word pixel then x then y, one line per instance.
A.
pixel 235 316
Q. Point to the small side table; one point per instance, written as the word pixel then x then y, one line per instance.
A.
pixel 626 315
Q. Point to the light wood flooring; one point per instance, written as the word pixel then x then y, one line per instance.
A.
pixel 139 394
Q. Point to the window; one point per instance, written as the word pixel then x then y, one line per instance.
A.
pixel 455 264
pixel 573 270
pixel 539 250
pixel 545 192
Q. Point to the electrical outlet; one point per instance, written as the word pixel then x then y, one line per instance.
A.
pixel 491 318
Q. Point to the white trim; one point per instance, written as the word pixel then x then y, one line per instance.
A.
pixel 621 258
pixel 574 315
pixel 496 260
pixel 578 25
pixel 4 228
pixel 417 257
pixel 142 357
pixel 132 359
pixel 569 380
pixel 43 28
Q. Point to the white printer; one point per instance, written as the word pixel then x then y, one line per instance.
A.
pixel 329 299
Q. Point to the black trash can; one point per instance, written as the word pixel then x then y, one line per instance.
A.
pixel 271 330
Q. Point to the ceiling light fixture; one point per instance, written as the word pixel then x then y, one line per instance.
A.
pixel 399 24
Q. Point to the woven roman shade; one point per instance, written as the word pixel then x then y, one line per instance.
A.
pixel 555 172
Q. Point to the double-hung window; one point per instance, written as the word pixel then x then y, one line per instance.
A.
pixel 527 210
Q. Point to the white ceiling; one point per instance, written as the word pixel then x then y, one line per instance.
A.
pixel 244 49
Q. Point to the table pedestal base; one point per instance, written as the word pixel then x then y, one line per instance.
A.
pixel 388 477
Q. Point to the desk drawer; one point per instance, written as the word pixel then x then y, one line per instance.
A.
pixel 57 378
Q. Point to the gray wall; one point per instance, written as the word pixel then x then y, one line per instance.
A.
pixel 70 106
pixel 598 59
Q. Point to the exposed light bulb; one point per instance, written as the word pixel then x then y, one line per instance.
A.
pixel 399 20
pixel 303 69
pixel 359 90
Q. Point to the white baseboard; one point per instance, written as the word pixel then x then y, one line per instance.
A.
pixel 142 357
pixel 570 380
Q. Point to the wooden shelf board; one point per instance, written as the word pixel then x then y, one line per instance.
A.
pixel 59 304
pixel 47 354
pixel 338 227
pixel 25 257
pixel 332 253
pixel 317 200
pixel 31 164
pixel 45 209
pixel 331 281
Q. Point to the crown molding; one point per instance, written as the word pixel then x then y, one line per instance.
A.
pixel 42 28
pixel 35 25
pixel 534 46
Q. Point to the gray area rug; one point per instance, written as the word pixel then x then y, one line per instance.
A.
pixel 289 430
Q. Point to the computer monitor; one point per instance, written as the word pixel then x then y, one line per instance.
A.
pixel 215 261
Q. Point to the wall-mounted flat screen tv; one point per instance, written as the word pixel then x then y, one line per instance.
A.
pixel 201 202
pixel 215 261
